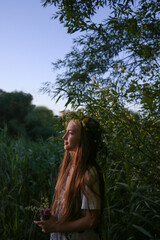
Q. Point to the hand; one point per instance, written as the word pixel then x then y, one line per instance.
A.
pixel 47 226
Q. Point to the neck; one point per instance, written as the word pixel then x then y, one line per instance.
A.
pixel 72 154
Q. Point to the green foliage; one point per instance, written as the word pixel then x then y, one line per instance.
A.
pixel 75 14
pixel 122 50
pixel 40 123
pixel 131 169
pixel 14 107
pixel 28 172
pixel 24 119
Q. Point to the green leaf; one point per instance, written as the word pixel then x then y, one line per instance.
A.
pixel 142 230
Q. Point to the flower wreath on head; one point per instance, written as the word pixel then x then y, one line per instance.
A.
pixel 92 127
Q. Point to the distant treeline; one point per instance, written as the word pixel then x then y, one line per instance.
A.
pixel 22 118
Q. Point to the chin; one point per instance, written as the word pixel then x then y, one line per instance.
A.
pixel 66 148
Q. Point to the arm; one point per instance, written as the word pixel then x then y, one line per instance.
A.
pixel 89 221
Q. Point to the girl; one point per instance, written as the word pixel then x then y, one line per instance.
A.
pixel 78 197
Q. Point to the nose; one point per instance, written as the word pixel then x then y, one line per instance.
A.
pixel 64 136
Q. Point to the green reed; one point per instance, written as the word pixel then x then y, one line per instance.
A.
pixel 28 171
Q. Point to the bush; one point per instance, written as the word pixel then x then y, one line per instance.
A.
pixel 131 166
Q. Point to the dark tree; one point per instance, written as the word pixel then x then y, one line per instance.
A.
pixel 121 52
pixel 41 123
pixel 14 107
pixel 21 117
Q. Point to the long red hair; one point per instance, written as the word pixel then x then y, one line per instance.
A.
pixel 83 160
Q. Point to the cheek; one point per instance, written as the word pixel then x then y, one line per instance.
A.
pixel 74 141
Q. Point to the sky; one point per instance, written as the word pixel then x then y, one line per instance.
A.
pixel 29 42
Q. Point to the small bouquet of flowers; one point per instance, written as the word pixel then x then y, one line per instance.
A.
pixel 45 213
pixel 40 209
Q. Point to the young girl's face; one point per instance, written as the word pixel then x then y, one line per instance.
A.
pixel 72 136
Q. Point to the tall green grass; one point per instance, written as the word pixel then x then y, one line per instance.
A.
pixel 131 165
pixel 28 171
